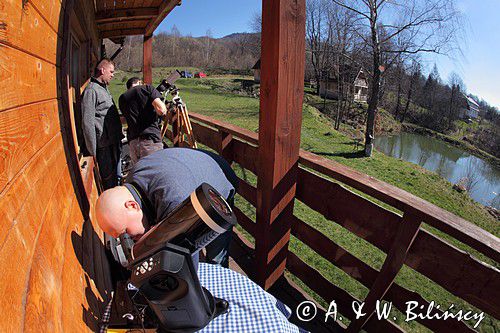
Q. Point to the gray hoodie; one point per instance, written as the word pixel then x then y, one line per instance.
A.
pixel 100 119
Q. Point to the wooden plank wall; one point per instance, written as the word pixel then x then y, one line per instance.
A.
pixel 54 276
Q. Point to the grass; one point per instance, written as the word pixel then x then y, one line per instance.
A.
pixel 218 98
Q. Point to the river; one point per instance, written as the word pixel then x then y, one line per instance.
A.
pixel 447 161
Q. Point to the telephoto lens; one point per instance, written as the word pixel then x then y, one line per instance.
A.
pixel 163 86
pixel 197 221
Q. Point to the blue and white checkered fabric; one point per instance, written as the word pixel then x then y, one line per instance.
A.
pixel 251 309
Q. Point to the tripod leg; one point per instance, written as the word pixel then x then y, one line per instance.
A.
pixel 175 127
pixel 189 130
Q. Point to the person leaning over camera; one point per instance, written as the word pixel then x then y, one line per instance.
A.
pixel 157 184
pixel 102 129
pixel 141 105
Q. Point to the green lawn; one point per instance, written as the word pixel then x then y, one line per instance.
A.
pixel 221 98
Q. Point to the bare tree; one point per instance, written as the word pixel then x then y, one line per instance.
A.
pixel 399 28
pixel 207 41
pixel 175 35
pixel 456 96
pixel 470 177
pixel 256 22
pixel 415 76
pixel 318 39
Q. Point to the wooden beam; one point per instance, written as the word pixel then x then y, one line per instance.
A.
pixel 407 232
pixel 120 33
pixel 125 24
pixel 282 86
pixel 164 9
pixel 147 57
pixel 125 14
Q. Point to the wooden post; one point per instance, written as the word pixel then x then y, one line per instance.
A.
pixel 147 57
pixel 281 95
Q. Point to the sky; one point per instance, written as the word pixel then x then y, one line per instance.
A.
pixel 479 67
pixel 222 17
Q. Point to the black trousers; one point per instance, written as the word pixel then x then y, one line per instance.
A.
pixel 108 159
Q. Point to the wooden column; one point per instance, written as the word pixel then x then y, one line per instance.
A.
pixel 147 58
pixel 281 94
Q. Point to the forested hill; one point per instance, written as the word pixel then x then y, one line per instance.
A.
pixel 234 51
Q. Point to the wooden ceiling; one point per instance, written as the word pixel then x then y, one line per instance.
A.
pixel 119 18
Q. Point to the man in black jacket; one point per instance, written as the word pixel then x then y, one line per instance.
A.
pixel 141 105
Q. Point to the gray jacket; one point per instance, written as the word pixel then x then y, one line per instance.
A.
pixel 100 119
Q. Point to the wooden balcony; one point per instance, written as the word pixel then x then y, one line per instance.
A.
pixel 332 190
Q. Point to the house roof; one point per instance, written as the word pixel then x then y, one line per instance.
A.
pixel 472 101
pixel 118 18
pixel 352 73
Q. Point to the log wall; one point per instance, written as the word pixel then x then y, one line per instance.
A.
pixel 54 274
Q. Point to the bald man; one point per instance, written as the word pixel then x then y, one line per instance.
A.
pixel 157 184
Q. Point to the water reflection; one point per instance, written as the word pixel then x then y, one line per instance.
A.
pixel 449 162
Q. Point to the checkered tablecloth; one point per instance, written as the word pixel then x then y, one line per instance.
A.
pixel 251 309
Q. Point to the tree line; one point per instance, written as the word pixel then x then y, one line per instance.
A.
pixel 171 49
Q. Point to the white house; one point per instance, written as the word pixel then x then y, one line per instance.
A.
pixel 469 108
pixel 357 83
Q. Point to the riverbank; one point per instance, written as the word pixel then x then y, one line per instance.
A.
pixel 412 128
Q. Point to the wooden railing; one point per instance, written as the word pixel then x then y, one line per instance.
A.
pixel 399 236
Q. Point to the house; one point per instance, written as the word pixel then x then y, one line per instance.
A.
pixel 357 84
pixel 361 87
pixel 256 71
pixel 468 108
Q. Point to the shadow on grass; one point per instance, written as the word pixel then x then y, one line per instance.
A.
pixel 354 154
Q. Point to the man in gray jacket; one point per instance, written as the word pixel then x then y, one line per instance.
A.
pixel 102 128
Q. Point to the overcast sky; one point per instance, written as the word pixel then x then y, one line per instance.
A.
pixel 479 67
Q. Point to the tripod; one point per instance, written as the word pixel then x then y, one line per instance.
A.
pixel 178 117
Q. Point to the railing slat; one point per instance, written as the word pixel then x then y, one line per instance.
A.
pixel 366 275
pixel 206 135
pixel 245 155
pixel 248 192
pixel 456 271
pixel 239 132
pixel 245 221
pixel 407 232
pixel 362 217
pixel 330 292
